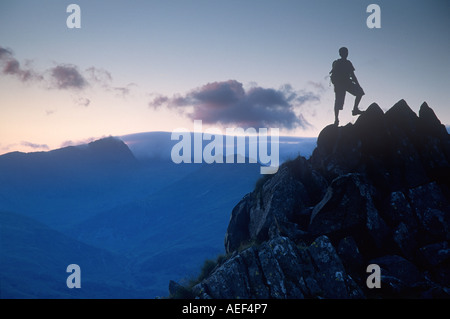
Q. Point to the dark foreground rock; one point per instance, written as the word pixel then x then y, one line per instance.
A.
pixel 279 268
pixel 375 192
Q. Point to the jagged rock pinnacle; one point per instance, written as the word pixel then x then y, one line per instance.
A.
pixel 371 192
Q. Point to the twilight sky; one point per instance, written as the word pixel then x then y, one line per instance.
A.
pixel 157 65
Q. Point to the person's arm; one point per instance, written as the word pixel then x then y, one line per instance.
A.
pixel 351 70
pixel 353 77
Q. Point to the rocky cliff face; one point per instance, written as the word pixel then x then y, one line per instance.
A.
pixel 375 192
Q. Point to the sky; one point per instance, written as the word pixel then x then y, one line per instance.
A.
pixel 154 65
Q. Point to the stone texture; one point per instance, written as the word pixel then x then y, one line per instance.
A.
pixel 377 191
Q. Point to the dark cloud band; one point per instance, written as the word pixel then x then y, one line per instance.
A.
pixel 229 103
pixel 63 76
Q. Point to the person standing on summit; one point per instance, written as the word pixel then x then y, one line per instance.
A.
pixel 344 80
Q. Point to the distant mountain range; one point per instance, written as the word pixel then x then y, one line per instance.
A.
pixel 120 209
pixel 158 145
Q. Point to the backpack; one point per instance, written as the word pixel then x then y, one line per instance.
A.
pixel 338 72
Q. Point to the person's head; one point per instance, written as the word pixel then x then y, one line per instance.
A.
pixel 343 52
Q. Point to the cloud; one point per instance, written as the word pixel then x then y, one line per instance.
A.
pixel 82 101
pixel 63 76
pixel 80 142
pixel 158 101
pixel 104 79
pixel 34 146
pixel 99 76
pixel 4 52
pixel 7 148
pixel 229 103
pixel 123 91
pixel 11 66
pixel 67 76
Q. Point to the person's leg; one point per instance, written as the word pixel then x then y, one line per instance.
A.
pixel 336 116
pixel 355 107
pixel 356 90
pixel 338 103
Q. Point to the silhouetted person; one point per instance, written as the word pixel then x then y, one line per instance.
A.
pixel 344 80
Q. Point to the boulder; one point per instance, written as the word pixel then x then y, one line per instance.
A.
pixel 280 269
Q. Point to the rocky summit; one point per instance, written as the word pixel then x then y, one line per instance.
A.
pixel 373 192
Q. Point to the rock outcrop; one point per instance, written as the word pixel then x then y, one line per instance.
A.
pixel 373 192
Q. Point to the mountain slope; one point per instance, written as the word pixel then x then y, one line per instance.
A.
pixel 79 181
pixel 170 232
pixel 34 259
pixel 155 214
pixel 376 192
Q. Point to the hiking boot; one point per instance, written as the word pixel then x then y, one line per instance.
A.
pixel 356 112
